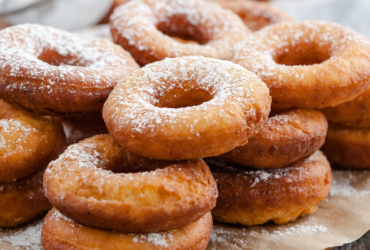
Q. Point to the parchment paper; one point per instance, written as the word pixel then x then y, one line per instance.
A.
pixel 342 218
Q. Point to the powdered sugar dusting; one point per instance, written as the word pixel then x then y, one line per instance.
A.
pixel 345 182
pixel 157 239
pixel 236 94
pixel 25 238
pixel 83 60
pixel 257 51
pixel 136 22
pixel 240 237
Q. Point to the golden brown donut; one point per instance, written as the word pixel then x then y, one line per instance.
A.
pixel 62 233
pixel 27 142
pixel 22 200
pixel 53 72
pixel 78 128
pixel 256 15
pixel 100 184
pixel 280 195
pixel 145 28
pixel 309 64
pixel 186 108
pixel 348 147
pixel 355 113
pixel 284 139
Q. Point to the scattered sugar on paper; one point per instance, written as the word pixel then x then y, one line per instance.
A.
pixel 342 184
pixel 28 237
pixel 238 238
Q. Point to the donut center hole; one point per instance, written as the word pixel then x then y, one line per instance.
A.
pixel 302 55
pixel 179 28
pixel 54 58
pixel 178 98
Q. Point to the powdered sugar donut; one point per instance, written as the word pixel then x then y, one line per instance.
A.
pixel 186 108
pixel 309 64
pixel 87 183
pixel 280 195
pixel 27 142
pixel 22 200
pixel 285 138
pixel 53 72
pixel 355 113
pixel 348 147
pixel 144 28
pixel 254 14
pixel 60 232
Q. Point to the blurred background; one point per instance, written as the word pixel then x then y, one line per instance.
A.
pixel 75 15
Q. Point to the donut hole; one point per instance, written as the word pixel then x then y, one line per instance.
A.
pixel 54 58
pixel 179 28
pixel 178 98
pixel 302 55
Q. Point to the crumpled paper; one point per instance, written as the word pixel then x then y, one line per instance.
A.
pixel 342 218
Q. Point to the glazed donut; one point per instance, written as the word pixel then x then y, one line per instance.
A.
pixel 78 128
pixel 309 64
pixel 53 72
pixel 22 200
pixel 355 113
pixel 145 28
pixel 255 15
pixel 279 195
pixel 87 184
pixel 186 108
pixel 284 139
pixel 27 142
pixel 62 233
pixel 348 147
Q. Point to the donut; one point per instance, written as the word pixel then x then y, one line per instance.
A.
pixel 78 128
pixel 186 108
pixel 355 113
pixel 279 195
pixel 62 233
pixel 256 15
pixel 146 29
pixel 53 72
pixel 284 139
pixel 308 64
pixel 87 184
pixel 22 200
pixel 27 142
pixel 348 147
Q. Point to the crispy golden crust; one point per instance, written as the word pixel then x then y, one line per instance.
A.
pixel 348 147
pixel 61 233
pixel 186 108
pixel 282 195
pixel 85 185
pixel 355 113
pixel 53 72
pixel 27 142
pixel 146 29
pixel 22 200
pixel 78 128
pixel 309 64
pixel 254 14
pixel 284 139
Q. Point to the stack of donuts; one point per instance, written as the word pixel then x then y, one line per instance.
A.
pixel 348 141
pixel 133 175
pixel 28 142
pixel 306 65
